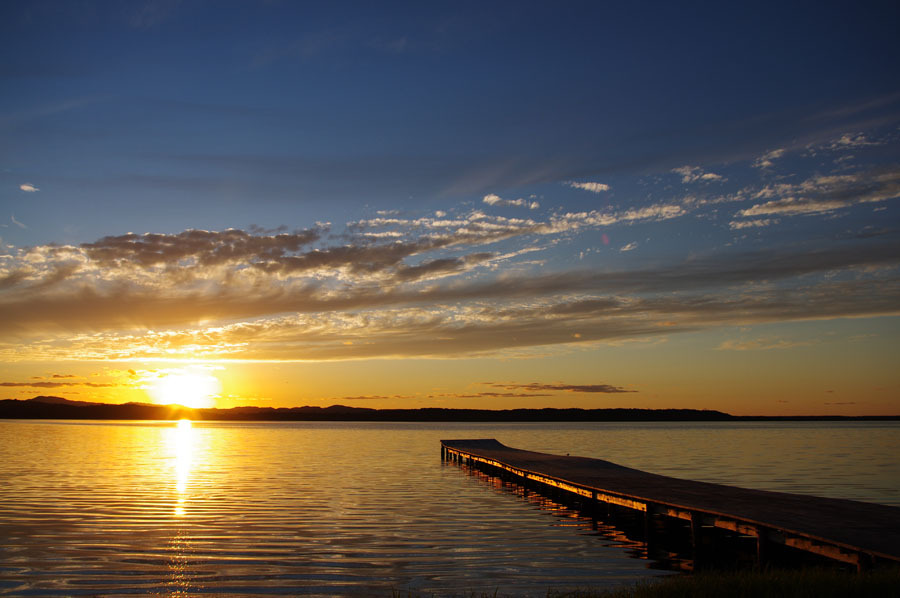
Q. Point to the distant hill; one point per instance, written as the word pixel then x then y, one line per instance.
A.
pixel 60 401
pixel 48 407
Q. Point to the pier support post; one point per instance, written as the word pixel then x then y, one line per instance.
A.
pixel 697 539
pixel 762 548
pixel 648 526
pixel 864 562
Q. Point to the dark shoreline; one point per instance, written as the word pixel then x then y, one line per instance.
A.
pixel 59 408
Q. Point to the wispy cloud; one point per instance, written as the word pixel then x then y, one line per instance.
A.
pixel 692 174
pixel 16 222
pixel 629 247
pixel 585 388
pixel 851 141
pixel 28 188
pixel 589 186
pixel 489 395
pixel 757 223
pixel 760 345
pixel 826 193
pixel 495 200
pixel 368 398
pixel 767 160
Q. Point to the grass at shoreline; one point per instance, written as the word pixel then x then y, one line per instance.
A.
pixel 774 583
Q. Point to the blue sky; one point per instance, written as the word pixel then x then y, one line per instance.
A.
pixel 358 181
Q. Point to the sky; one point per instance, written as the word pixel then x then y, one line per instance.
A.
pixel 467 204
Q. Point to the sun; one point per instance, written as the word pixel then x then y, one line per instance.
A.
pixel 195 388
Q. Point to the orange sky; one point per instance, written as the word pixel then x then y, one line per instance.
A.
pixel 744 372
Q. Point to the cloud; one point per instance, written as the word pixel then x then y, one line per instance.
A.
pixel 440 267
pixel 760 345
pixel 583 388
pixel 196 247
pixel 657 212
pixel 16 222
pixel 759 222
pixel 369 398
pixel 851 141
pixel 827 193
pixel 28 187
pixel 441 287
pixel 495 200
pixel 572 221
pixel 588 186
pixel 767 160
pixel 629 246
pixel 692 174
pixel 443 327
pixel 489 395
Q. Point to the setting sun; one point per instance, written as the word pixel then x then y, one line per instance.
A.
pixel 194 388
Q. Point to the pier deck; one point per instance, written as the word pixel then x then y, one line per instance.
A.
pixel 853 532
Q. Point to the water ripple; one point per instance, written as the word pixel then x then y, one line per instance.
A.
pixel 118 509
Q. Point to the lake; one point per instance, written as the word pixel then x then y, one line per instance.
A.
pixel 262 509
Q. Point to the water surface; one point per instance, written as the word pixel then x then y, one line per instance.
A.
pixel 244 509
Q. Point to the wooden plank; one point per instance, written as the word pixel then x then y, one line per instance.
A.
pixel 844 530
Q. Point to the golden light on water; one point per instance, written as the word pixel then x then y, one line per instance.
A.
pixel 191 387
pixel 182 446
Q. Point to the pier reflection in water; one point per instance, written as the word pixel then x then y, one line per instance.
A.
pixel 168 509
pixel 667 543
pixel 614 527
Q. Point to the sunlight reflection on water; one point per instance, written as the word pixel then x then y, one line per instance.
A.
pixel 159 508
pixel 181 443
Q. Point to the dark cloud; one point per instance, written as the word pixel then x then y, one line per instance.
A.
pixel 489 395
pixel 15 277
pixel 205 248
pixel 441 266
pixel 280 253
pixel 370 398
pixel 585 388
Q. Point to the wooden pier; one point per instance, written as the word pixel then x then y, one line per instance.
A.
pixel 861 534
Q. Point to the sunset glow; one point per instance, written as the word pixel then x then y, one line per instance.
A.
pixel 468 206
pixel 188 387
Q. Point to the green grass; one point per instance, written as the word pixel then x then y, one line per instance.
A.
pixel 803 583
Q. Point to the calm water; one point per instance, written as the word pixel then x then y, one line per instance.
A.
pixel 153 508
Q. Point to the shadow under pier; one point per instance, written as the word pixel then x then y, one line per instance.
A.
pixel 686 524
